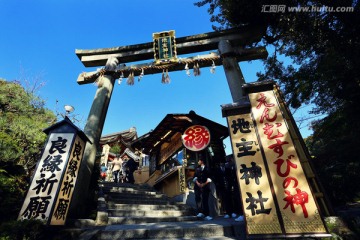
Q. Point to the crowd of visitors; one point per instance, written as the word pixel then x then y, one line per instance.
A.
pixel 121 169
pixel 210 187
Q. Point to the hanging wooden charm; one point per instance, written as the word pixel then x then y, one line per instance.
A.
pixel 141 75
pixel 163 76
pixel 167 77
pixel 196 69
pixel 187 69
pixel 121 78
pixel 212 68
pixel 130 80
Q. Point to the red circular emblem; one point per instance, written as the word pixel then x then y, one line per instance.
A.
pixel 196 138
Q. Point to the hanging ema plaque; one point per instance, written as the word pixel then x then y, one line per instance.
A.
pixel 164 47
pixel 196 138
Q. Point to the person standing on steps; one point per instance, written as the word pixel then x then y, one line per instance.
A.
pixel 234 194
pixel 130 167
pixel 103 170
pixel 117 163
pixel 224 189
pixel 202 180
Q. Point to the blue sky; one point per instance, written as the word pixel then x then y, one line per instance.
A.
pixel 39 38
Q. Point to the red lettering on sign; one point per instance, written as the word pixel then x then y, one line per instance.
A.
pixel 288 180
pixel 300 198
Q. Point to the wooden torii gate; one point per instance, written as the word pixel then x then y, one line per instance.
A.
pixel 229 43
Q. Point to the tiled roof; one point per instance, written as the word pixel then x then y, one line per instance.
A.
pixel 126 137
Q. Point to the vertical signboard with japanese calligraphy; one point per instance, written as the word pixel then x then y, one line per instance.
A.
pixel 256 194
pixel 298 208
pixel 182 182
pixel 49 195
pixel 68 183
pixel 276 196
pixel 46 181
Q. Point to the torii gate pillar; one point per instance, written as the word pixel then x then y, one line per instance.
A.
pixel 93 130
pixel 232 70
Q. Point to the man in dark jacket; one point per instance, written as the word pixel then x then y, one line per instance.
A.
pixel 224 184
pixel 130 167
pixel 234 189
pixel 202 180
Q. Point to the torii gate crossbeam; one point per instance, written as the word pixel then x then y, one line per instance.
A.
pixel 184 45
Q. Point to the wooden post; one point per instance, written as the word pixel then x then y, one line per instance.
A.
pixel 93 130
pixel 232 70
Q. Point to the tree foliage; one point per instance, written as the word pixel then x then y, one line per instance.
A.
pixel 22 119
pixel 116 149
pixel 322 49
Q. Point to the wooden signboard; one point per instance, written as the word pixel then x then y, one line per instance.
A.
pixel 45 185
pixel 68 183
pixel 275 192
pixel 256 193
pixel 51 189
pixel 164 47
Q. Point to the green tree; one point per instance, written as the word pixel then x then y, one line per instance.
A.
pixel 115 149
pixel 322 52
pixel 22 119
pixel 19 109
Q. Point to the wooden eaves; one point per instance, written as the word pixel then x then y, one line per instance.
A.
pixel 177 123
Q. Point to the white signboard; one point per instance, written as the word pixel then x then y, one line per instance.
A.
pixel 45 185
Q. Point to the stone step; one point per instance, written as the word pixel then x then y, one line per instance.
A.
pixel 218 229
pixel 143 220
pixel 128 190
pixel 143 201
pixel 139 195
pixel 120 206
pixel 139 212
pixel 131 191
pixel 148 213
pixel 201 238
pixel 126 185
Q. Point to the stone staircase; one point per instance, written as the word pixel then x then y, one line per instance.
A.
pixel 127 211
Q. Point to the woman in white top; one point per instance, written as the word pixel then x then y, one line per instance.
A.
pixel 117 163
